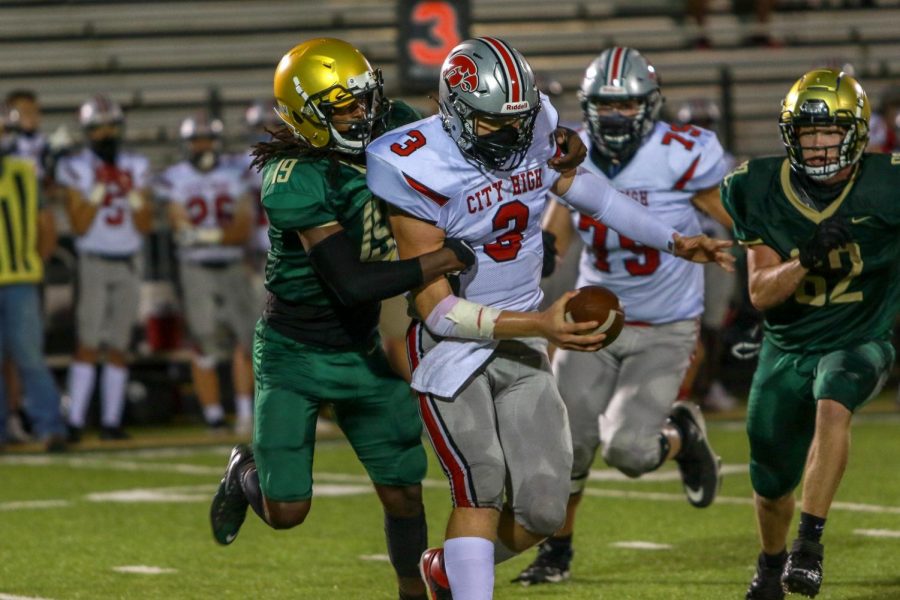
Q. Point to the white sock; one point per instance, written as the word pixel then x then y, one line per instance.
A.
pixel 81 387
pixel 502 552
pixel 213 413
pixel 469 563
pixel 243 406
pixel 112 387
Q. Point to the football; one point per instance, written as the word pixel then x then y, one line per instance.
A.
pixel 595 303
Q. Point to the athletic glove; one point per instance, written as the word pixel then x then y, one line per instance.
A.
pixel 97 195
pixel 194 236
pixel 830 234
pixel 549 265
pixel 463 251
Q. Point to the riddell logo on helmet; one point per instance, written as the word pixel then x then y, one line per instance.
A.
pixel 462 72
pixel 515 106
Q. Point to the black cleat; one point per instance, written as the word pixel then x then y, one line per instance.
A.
pixel 114 433
pixel 803 569
pixel 700 468
pixel 73 434
pixel 550 566
pixel 766 582
pixel 229 506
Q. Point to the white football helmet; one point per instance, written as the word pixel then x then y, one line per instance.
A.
pixel 100 110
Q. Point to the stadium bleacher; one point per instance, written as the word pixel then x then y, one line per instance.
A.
pixel 162 59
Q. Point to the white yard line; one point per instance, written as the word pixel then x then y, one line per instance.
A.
pixel 14 597
pixel 882 533
pixel 143 570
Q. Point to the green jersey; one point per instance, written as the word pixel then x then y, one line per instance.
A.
pixel 858 299
pixel 300 193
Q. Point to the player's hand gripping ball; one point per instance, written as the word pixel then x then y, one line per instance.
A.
pixel 595 303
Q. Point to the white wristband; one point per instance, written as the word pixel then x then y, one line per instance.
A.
pixel 456 317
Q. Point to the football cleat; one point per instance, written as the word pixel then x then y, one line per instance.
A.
pixel 700 468
pixel 229 506
pixel 114 433
pixel 431 567
pixel 803 569
pixel 550 566
pixel 766 583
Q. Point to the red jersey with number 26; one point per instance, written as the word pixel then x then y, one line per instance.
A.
pixel 672 164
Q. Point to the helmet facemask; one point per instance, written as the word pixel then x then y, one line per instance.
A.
pixel 615 135
pixel 844 154
pixel 326 107
pixel 502 149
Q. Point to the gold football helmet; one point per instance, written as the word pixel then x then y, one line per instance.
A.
pixel 320 75
pixel 825 97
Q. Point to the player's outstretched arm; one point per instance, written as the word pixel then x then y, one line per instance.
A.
pixel 557 228
pixel 703 249
pixel 450 316
pixel 336 258
pixel 710 202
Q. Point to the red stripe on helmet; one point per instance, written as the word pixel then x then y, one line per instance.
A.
pixel 512 68
pixel 617 64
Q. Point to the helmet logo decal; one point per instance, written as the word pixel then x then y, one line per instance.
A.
pixel 814 107
pixel 463 73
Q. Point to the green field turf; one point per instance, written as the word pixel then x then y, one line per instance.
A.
pixel 66 522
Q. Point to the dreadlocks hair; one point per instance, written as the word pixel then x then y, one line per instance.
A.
pixel 285 144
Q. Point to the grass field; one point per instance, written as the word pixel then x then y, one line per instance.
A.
pixel 70 523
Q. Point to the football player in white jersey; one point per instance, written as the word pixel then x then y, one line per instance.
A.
pixel 630 387
pixel 211 215
pixel 479 171
pixel 109 211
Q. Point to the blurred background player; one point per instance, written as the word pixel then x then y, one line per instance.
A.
pixel 630 387
pixel 704 374
pixel 22 119
pixel 211 214
pixel 109 212
pixel 32 237
pixel 822 230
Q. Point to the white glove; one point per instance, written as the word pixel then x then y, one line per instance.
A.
pixel 193 236
pixel 97 195
pixel 136 200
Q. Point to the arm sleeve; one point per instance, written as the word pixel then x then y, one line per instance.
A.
pixel 66 175
pixel 594 196
pixel 141 173
pixel 336 260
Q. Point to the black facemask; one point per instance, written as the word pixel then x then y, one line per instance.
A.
pixel 106 149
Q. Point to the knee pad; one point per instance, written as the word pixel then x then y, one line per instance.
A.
pixel 633 459
pixel 541 505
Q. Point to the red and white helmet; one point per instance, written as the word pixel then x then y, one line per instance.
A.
pixel 100 110
pixel 487 78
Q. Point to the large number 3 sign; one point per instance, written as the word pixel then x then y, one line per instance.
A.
pixel 429 29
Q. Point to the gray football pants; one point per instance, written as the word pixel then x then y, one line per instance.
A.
pixel 506 431
pixel 620 397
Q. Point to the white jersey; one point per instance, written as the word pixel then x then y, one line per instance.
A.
pixel 112 233
pixel 209 200
pixel 655 287
pixel 419 169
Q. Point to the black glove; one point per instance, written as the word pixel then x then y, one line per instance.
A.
pixel 463 251
pixel 549 254
pixel 830 234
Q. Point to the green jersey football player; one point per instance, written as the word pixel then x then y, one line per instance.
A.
pixel 822 230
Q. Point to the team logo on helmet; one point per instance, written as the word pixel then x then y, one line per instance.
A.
pixel 462 72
